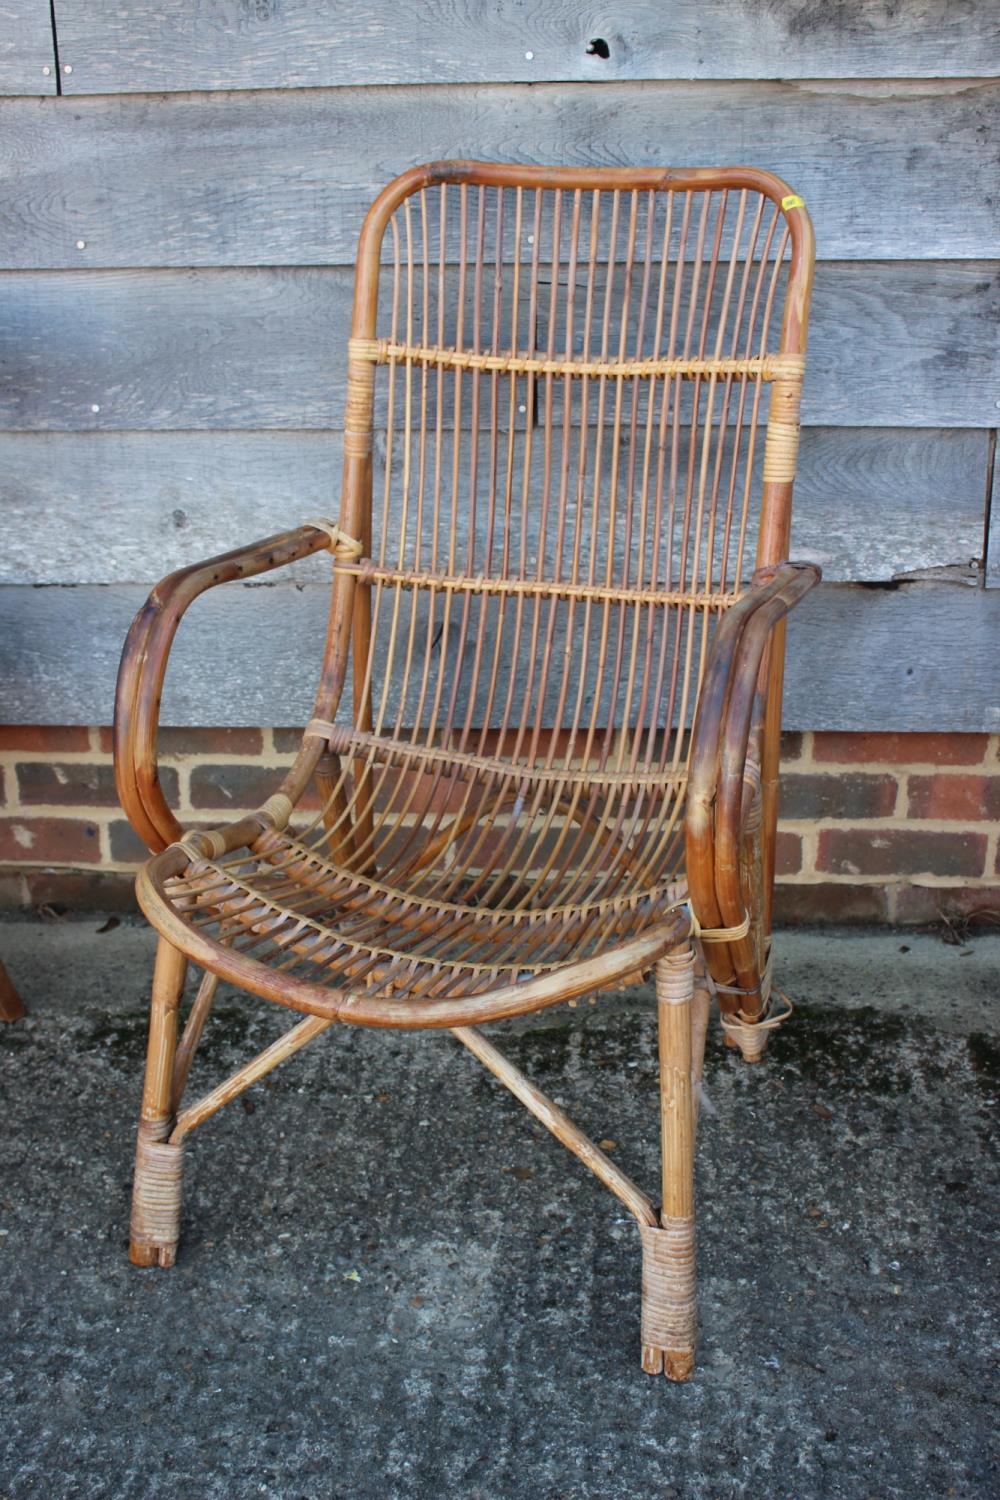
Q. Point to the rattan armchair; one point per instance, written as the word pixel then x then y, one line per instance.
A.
pixel 545 741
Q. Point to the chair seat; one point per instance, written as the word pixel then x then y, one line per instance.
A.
pixel 494 884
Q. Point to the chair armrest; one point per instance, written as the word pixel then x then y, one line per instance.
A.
pixel 732 700
pixel 144 665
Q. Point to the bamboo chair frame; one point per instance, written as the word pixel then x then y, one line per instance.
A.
pixel 545 739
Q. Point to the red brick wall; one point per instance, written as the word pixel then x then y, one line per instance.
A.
pixel 889 827
pixel 875 827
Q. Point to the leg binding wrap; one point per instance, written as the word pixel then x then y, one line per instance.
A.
pixel 156 1200
pixel 669 1298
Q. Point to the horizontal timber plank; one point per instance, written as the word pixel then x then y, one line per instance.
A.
pixel 132 506
pixel 912 657
pixel 919 656
pixel 893 344
pixel 871 503
pixel 27 56
pixel 299 43
pixel 891 340
pixel 993 534
pixel 284 177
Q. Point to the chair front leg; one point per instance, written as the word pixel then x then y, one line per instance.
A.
pixel 156 1195
pixel 669 1306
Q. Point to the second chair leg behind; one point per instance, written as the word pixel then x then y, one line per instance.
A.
pixel 11 1005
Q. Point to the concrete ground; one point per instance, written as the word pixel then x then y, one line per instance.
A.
pixel 392 1284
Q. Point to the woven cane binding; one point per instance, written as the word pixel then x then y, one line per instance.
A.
pixel 156 1203
pixel 669 1293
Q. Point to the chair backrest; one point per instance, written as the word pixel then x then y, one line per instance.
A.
pixel 585 387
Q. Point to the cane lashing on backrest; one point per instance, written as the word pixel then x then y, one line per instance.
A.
pixel 570 385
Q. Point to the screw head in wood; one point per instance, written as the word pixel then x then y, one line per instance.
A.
pixel 68 68
pixel 81 244
pixel 46 71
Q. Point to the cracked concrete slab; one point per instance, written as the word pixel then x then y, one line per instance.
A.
pixel 392 1283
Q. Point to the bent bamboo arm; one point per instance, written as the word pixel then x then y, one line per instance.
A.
pixel 144 664
pixel 732 702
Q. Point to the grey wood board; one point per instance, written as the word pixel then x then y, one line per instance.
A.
pixel 915 657
pixel 284 178
pixel 232 44
pixel 993 532
pixel 909 344
pixel 132 506
pixel 921 656
pixel 893 344
pixel 173 349
pixel 26 48
pixel 870 503
pixel 873 504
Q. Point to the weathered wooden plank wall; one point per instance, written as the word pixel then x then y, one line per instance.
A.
pixel 993 517
pixel 200 492
pixel 849 627
pixel 283 178
pixel 174 282
pixel 234 44
pixel 261 347
pixel 27 51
